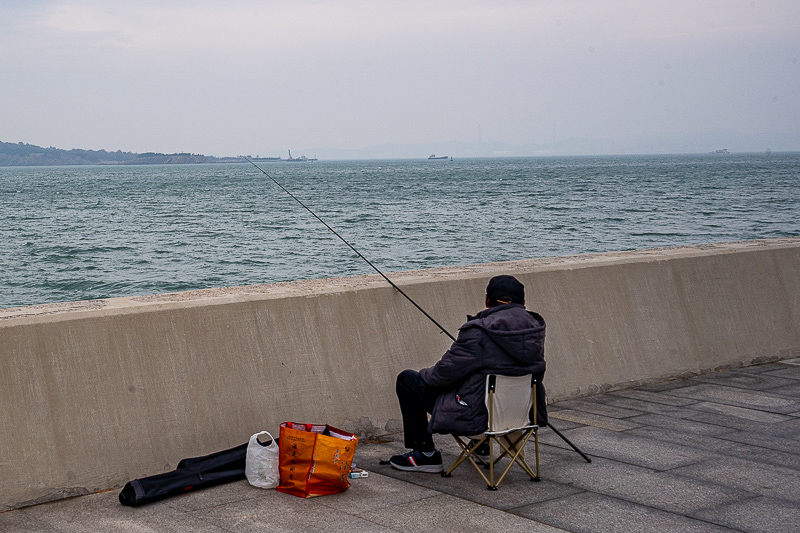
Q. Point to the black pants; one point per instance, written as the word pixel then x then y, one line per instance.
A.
pixel 416 401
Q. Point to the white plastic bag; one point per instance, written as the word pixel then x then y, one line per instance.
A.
pixel 261 462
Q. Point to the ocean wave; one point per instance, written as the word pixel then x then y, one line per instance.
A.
pixel 96 232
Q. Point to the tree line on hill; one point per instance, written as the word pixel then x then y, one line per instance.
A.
pixel 19 154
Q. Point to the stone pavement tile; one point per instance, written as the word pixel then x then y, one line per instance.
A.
pixel 733 396
pixel 551 445
pixel 561 425
pixel 722 447
pixel 716 415
pixel 593 406
pixel 633 449
pixel 364 494
pixel 664 386
pixel 595 513
pixel 516 490
pixel 448 513
pixel 368 456
pixel 644 406
pixel 21 522
pixel 589 419
pixel 786 371
pixel 284 512
pixel 788 430
pixel 756 515
pixel 553 448
pixel 661 490
pixel 673 399
pixel 376 492
pixel 759 369
pixel 212 496
pixel 792 391
pixel 765 440
pixel 652 408
pixel 550 438
pixel 231 507
pixel 757 478
pixel 751 415
pixel 103 512
pixel 744 380
pixel 674 424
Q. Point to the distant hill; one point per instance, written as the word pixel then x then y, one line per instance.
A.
pixel 16 155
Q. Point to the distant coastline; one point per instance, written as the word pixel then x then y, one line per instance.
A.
pixel 22 155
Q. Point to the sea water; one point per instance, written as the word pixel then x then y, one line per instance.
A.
pixel 86 232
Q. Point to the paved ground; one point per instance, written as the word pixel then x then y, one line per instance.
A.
pixel 718 452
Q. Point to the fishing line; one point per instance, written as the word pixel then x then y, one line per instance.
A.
pixel 376 269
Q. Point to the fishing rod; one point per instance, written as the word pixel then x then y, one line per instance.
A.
pixel 376 269
pixel 398 289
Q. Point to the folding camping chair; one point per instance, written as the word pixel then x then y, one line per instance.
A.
pixel 510 400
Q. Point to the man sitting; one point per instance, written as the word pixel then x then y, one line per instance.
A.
pixel 503 339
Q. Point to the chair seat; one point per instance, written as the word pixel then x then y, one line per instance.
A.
pixel 507 431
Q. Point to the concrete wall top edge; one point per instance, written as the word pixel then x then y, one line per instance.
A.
pixel 316 287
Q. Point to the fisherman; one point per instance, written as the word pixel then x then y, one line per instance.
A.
pixel 503 339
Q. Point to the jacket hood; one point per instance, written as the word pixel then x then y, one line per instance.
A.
pixel 518 332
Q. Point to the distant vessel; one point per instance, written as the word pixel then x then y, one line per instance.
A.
pixel 723 151
pixel 300 159
pixel 265 159
pixel 434 156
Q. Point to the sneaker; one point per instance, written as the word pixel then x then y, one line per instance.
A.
pixel 483 450
pixel 416 461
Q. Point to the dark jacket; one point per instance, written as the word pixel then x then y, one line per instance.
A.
pixel 505 339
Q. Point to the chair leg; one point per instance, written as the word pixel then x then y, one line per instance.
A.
pixel 492 484
pixel 513 448
pixel 536 451
pixel 460 459
pixel 467 453
pixel 518 444
pixel 516 457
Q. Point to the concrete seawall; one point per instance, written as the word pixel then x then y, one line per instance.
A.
pixel 97 393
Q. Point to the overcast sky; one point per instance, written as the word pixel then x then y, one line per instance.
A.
pixel 246 76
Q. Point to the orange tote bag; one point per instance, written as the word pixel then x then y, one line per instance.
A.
pixel 314 459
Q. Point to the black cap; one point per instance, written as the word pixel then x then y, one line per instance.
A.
pixel 505 289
